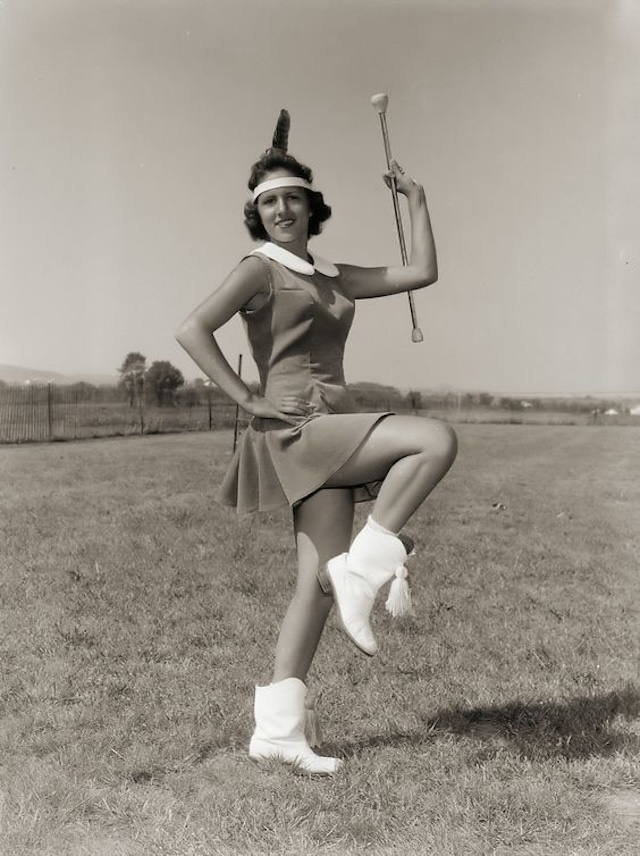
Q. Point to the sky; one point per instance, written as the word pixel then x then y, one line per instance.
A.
pixel 129 127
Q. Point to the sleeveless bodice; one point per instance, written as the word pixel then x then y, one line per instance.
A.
pixel 298 336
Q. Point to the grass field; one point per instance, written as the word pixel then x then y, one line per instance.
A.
pixel 136 616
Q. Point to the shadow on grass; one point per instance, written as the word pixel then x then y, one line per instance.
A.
pixel 579 728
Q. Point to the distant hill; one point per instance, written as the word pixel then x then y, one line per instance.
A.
pixel 20 374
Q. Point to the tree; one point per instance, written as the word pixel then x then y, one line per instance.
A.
pixel 163 379
pixel 132 376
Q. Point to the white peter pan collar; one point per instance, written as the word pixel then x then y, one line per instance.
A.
pixel 295 263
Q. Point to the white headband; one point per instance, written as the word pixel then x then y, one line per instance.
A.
pixel 283 181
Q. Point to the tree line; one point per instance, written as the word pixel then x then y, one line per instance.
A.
pixel 165 385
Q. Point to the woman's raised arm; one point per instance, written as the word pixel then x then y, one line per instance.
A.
pixel 422 270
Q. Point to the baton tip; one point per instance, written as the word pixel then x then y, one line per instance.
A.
pixel 379 102
pixel 416 335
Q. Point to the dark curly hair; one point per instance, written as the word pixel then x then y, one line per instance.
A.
pixel 276 159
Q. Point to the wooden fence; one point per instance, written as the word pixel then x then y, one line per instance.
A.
pixel 48 412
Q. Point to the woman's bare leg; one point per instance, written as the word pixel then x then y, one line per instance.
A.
pixel 411 454
pixel 322 525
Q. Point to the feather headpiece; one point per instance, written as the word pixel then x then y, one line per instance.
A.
pixel 280 143
pixel 281 133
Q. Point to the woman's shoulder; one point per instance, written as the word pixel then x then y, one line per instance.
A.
pixel 254 269
pixel 254 261
pixel 254 277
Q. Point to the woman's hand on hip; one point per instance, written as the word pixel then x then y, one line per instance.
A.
pixel 290 408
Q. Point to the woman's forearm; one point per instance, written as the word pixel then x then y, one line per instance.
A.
pixel 423 255
pixel 203 349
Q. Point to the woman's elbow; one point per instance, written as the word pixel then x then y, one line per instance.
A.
pixel 429 276
pixel 185 332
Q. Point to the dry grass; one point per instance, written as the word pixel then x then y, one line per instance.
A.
pixel 136 616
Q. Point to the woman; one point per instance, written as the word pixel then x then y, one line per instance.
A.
pixel 306 447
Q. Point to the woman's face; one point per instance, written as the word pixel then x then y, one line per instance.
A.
pixel 284 211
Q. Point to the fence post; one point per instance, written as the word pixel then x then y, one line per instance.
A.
pixel 235 424
pixel 49 412
pixel 76 405
pixel 141 393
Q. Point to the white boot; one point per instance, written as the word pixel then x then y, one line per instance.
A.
pixel 376 555
pixel 280 719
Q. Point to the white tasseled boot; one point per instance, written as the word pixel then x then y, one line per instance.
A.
pixel 376 556
pixel 280 721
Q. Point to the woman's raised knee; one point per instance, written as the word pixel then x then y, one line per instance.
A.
pixel 441 443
